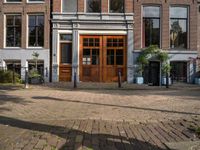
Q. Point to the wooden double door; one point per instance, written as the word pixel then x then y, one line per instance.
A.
pixel 102 58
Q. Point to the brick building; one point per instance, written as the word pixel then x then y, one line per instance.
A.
pixel 98 38
pixel 24 29
pixel 93 38
pixel 172 25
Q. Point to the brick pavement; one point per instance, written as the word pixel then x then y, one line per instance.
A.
pixel 94 134
pixel 97 116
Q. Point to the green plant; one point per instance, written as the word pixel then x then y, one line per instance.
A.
pixel 166 68
pixel 7 77
pixel 34 74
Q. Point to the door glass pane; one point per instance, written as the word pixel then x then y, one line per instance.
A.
pixel 95 56
pixel 110 57
pixel 66 53
pixel 119 57
pixel 86 57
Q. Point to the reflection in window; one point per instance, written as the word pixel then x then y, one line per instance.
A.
pixel 151 26
pixel 36 30
pixel 13 30
pixel 69 6
pixel 116 6
pixel 86 57
pixel 110 57
pixel 66 53
pixel 119 57
pixel 178 27
pixel 93 6
pixel 95 56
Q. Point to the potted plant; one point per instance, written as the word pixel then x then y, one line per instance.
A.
pixel 34 76
pixel 166 80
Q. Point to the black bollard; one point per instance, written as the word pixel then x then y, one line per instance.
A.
pixel 119 79
pixel 75 83
pixel 13 73
pixel 167 80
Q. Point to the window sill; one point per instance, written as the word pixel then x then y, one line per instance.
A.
pixel 36 2
pixel 12 48
pixel 37 48
pixel 12 2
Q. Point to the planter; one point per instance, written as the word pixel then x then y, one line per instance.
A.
pixel 139 80
pixel 164 80
pixel 35 80
pixel 197 81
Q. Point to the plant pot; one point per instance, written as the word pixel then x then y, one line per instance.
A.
pixel 139 80
pixel 164 80
pixel 35 80
pixel 197 81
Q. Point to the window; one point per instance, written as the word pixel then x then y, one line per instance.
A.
pixel 35 0
pixel 116 6
pixel 69 6
pixel 66 48
pixel 178 27
pixel 93 6
pixel 36 31
pixel 13 0
pixel 13 30
pixel 151 26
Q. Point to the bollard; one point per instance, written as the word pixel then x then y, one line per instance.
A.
pixel 75 83
pixel 119 79
pixel 167 80
pixel 13 74
pixel 26 80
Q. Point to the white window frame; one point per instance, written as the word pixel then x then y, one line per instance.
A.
pixel 5 33
pixel 27 31
pixel 5 1
pixel 35 2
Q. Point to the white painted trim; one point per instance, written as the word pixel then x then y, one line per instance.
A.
pixel 97 32
pixel 65 31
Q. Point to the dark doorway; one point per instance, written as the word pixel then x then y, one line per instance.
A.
pixel 154 73
pixel 179 71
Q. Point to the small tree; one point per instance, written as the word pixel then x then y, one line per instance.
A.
pixel 35 58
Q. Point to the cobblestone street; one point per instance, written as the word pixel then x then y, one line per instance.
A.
pixel 97 116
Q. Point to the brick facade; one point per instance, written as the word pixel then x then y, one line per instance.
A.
pixel 24 9
pixel 165 41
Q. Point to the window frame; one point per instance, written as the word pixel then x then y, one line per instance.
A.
pixel 5 1
pixel 35 2
pixel 5 31
pixel 27 39
pixel 85 8
pixel 160 24
pixel 115 12
pixel 187 26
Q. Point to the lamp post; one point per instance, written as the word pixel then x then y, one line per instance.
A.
pixel 75 76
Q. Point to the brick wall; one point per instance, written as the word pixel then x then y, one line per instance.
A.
pixel 165 4
pixel 25 8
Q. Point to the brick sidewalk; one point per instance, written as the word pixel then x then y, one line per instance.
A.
pixel 94 134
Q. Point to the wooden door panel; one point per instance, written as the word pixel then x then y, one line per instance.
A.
pixel 65 73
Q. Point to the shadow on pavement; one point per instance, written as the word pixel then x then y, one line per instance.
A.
pixel 116 142
pixel 112 105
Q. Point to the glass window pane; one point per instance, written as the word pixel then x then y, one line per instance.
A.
pixel 95 56
pixel 9 20
pixel 151 11
pixel 69 6
pixel 66 37
pixel 94 6
pixel 151 32
pixel 110 57
pixel 66 53
pixel 13 0
pixel 32 20
pixel 86 57
pixel 119 57
pixel 116 6
pixel 178 12
pixel 178 33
